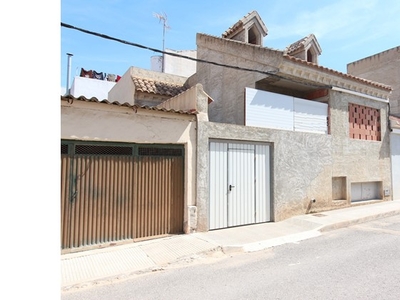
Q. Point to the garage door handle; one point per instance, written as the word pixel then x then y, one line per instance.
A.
pixel 230 187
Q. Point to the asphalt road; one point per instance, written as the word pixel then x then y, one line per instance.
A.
pixel 358 262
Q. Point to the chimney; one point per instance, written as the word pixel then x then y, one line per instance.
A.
pixel 68 73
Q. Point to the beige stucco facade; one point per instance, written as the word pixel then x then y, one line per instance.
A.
pixel 103 122
pixel 382 67
pixel 305 166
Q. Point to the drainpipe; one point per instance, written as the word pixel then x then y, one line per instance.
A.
pixel 68 73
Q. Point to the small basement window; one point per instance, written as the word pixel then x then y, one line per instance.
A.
pixel 364 123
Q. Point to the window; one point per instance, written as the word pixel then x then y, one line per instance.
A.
pixel 364 122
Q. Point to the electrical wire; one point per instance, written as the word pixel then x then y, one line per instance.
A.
pixel 188 57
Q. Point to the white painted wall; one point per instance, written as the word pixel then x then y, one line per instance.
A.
pixel 175 65
pixel 90 87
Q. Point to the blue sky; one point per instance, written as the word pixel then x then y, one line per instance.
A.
pixel 346 30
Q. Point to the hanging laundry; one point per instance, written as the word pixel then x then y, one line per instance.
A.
pixel 111 77
pixel 88 74
pixel 118 78
pixel 99 75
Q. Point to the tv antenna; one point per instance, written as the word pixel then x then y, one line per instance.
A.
pixel 163 18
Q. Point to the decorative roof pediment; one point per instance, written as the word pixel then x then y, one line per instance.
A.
pixel 250 29
pixel 306 48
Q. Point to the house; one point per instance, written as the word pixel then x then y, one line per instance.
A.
pixel 285 135
pixel 255 135
pixel 127 168
pixel 385 67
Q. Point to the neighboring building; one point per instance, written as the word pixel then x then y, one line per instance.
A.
pixel 175 64
pixel 382 67
pixel 92 84
pixel 145 87
pixel 128 170
pixel 385 67
pixel 261 136
pixel 395 155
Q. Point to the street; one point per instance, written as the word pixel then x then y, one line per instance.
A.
pixel 357 262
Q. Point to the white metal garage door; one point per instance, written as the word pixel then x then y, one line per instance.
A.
pixel 395 154
pixel 239 184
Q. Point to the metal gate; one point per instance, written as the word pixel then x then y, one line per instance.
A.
pixel 119 192
pixel 239 184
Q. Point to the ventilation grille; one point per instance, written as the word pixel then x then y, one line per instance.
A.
pixel 64 149
pixel 120 150
pixel 103 150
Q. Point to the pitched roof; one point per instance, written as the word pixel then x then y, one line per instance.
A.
pixel 71 99
pixel 157 87
pixel 302 43
pixel 239 24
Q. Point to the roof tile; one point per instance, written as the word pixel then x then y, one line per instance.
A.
pixel 157 87
pixel 71 99
pixel 344 75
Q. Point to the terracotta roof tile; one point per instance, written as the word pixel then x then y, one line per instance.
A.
pixel 296 45
pixel 71 99
pixel 157 87
pixel 344 75
pixel 302 43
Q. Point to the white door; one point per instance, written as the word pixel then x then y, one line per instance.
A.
pixel 395 155
pixel 239 184
pixel 241 202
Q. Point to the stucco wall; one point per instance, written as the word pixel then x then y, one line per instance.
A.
pixel 305 165
pixel 301 167
pixel 93 121
pixel 90 87
pixel 227 85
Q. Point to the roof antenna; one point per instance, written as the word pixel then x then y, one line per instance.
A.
pixel 163 18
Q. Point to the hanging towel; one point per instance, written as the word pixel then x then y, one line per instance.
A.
pixel 98 75
pixel 84 73
pixel 111 77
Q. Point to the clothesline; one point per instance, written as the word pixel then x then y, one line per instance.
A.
pixel 99 75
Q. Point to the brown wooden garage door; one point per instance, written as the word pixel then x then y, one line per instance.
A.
pixel 114 192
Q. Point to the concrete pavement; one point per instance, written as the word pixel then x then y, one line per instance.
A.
pixel 101 265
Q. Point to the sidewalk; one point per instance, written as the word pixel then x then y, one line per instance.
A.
pixel 88 267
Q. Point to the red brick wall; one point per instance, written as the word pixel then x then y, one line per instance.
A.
pixel 365 123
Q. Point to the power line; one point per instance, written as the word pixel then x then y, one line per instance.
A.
pixel 184 56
